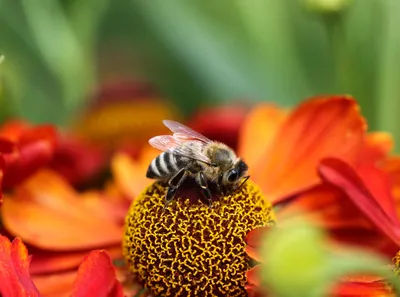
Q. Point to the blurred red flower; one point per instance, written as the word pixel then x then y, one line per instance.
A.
pixel 23 150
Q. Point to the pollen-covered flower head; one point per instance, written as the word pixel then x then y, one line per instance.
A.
pixel 191 249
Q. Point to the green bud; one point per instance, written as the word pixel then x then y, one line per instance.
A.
pixel 295 259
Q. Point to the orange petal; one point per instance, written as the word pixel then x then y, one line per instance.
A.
pixel 258 131
pixel 318 128
pixel 97 277
pixel 47 213
pixel 15 279
pixel 377 146
pixel 55 285
pixel 130 175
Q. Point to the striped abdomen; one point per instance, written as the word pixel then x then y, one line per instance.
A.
pixel 163 166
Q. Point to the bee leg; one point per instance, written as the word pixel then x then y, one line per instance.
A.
pixel 202 181
pixel 174 184
pixel 219 185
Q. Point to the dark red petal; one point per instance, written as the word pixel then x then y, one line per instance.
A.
pixel 343 176
pixel 28 160
pixel 96 277
pixel 77 161
pixel 15 280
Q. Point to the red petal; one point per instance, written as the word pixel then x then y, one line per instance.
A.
pixel 77 161
pixel 96 277
pixel 343 176
pixel 225 124
pixel 15 280
pixel 327 206
pixel 367 286
pixel 319 128
pixel 34 150
pixel 253 275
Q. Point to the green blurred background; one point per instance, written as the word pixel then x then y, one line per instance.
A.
pixel 199 52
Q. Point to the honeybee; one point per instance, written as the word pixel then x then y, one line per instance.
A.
pixel 188 153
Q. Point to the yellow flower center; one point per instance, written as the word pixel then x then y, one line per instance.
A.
pixel 191 249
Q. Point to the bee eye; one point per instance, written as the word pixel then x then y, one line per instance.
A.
pixel 233 175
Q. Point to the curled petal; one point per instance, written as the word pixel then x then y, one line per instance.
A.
pixel 97 277
pixel 319 128
pixel 15 279
pixel 343 176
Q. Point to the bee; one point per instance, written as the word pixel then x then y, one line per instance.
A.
pixel 188 153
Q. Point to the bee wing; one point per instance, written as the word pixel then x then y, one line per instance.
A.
pixel 178 146
pixel 183 132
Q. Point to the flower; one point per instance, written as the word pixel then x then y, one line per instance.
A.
pixel 123 115
pixel 191 249
pixel 318 160
pixel 23 150
pixel 96 275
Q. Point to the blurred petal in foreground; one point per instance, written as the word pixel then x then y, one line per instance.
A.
pixel 15 280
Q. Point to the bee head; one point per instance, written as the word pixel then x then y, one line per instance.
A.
pixel 236 173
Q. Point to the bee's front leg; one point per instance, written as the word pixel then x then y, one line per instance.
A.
pixel 202 181
pixel 219 185
pixel 174 183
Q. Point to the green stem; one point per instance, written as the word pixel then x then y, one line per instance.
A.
pixel 388 94
pixel 333 24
